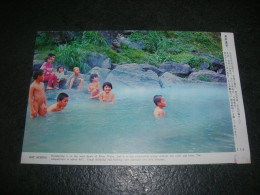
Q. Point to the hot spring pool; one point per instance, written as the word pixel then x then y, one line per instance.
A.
pixel 197 120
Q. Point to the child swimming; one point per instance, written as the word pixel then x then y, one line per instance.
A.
pixel 107 95
pixel 160 103
pixel 37 97
pixel 62 101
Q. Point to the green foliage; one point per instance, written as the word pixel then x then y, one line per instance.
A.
pixel 42 40
pixel 204 78
pixel 93 37
pixel 159 46
pixel 72 56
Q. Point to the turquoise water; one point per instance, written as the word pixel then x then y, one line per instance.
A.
pixel 197 120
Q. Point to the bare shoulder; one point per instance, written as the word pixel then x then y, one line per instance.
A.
pixel 52 108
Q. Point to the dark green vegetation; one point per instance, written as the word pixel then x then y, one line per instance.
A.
pixel 159 46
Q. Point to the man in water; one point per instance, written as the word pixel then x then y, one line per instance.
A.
pixel 160 103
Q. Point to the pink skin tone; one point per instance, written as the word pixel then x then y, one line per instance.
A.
pixel 158 111
pixel 37 98
pixel 107 95
pixel 60 105
pixel 94 88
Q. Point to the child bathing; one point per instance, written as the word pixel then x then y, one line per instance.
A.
pixel 160 103
pixel 37 97
pixel 62 79
pixel 75 80
pixel 107 95
pixel 62 101
pixel 94 86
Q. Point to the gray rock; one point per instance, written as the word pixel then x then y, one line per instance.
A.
pixel 113 66
pixel 128 32
pixel 221 71
pixel 204 65
pixel 133 75
pixel 122 39
pixel 217 65
pixel 194 70
pixel 208 76
pixel 178 69
pixel 99 60
pixel 37 64
pixel 154 69
pixel 168 80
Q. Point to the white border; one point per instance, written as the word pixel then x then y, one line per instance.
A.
pixel 238 112
pixel 242 154
pixel 127 159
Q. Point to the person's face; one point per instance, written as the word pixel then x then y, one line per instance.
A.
pixel 76 71
pixel 95 79
pixel 49 60
pixel 107 88
pixel 52 58
pixel 162 103
pixel 60 69
pixel 41 77
pixel 64 102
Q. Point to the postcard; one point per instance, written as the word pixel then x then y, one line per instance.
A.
pixel 135 97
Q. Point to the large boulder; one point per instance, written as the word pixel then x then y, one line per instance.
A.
pixel 217 65
pixel 147 67
pixel 37 64
pixel 168 80
pixel 208 76
pixel 204 65
pixel 122 39
pixel 133 75
pixel 176 68
pixel 99 60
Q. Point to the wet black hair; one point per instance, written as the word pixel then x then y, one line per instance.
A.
pixel 92 76
pixel 36 73
pixel 61 96
pixel 46 58
pixel 157 98
pixel 51 54
pixel 59 67
pixel 108 84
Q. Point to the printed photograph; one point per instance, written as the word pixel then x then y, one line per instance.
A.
pixel 128 92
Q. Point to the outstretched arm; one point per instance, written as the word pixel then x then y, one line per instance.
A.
pixel 113 98
pixel 71 82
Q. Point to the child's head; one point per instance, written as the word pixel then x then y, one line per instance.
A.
pixel 36 73
pixel 48 59
pixel 107 85
pixel 76 70
pixel 52 56
pixel 63 99
pixel 92 77
pixel 159 100
pixel 60 68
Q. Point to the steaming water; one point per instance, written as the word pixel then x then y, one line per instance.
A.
pixel 197 120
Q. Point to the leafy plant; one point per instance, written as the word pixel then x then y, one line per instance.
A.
pixel 93 37
pixel 204 78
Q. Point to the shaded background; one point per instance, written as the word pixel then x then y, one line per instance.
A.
pixel 17 45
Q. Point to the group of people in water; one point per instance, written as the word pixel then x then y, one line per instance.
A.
pixel 37 97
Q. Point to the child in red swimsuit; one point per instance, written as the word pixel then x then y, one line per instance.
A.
pixel 49 74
